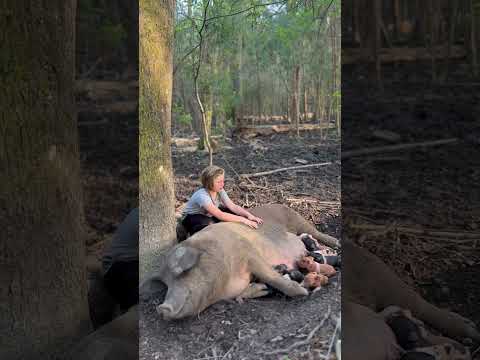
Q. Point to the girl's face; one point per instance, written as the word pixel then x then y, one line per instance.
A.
pixel 218 183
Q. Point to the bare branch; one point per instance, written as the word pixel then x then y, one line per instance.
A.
pixel 245 10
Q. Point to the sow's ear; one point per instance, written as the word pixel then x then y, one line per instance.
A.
pixel 182 259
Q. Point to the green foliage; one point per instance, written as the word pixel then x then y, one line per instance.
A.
pixel 248 58
pixel 182 118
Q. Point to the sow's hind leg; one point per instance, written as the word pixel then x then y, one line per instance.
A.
pixel 264 273
pixel 294 222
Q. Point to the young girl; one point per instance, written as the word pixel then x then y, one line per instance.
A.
pixel 211 204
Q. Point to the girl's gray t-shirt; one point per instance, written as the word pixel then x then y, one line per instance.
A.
pixel 201 198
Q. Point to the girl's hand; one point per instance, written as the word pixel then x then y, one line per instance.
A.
pixel 250 223
pixel 254 218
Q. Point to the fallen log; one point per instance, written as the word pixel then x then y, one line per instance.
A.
pixel 273 129
pixel 178 141
pixel 376 150
pixel 455 234
pixel 263 173
pixel 396 54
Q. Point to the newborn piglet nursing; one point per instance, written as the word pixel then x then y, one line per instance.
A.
pixel 314 280
pixel 310 243
pixel 307 264
pixel 320 253
pixel 314 267
pixel 292 274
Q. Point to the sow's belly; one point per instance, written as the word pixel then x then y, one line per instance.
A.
pixel 287 254
pixel 238 283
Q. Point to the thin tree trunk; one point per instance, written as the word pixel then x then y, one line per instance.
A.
pixel 378 43
pixel 295 106
pixel 259 84
pixel 205 123
pixel 206 107
pixel 305 98
pixel 398 18
pixel 157 202
pixel 433 14
pixel 451 37
pixel 473 35
pixel 44 285
pixel 237 83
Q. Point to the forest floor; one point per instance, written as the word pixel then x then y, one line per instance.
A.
pixel 228 330
pixel 417 209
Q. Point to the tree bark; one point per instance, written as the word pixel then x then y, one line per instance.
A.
pixel 295 107
pixel 398 19
pixel 475 20
pixel 378 43
pixel 237 80
pixel 157 202
pixel 42 255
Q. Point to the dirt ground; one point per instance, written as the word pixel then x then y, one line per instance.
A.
pixel 229 330
pixel 387 197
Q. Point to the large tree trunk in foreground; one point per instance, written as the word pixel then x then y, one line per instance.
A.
pixel 157 212
pixel 43 291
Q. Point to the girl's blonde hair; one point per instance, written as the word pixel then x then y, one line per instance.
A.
pixel 209 174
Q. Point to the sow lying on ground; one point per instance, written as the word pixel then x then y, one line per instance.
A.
pixel 218 262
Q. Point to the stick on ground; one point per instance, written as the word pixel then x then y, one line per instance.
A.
pixel 382 149
pixel 303 342
pixel 285 169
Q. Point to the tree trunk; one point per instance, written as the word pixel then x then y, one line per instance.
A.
pixel 295 107
pixel 196 114
pixel 157 202
pixel 378 43
pixel 305 98
pixel 397 18
pixel 259 84
pixel 237 80
pixel 206 106
pixel 44 285
pixel 475 20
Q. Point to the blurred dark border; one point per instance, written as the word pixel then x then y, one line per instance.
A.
pixel 410 144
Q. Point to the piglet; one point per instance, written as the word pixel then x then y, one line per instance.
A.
pixel 307 264
pixel 314 280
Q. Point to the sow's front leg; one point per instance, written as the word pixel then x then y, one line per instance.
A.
pixel 264 273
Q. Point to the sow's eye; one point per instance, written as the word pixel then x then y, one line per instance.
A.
pixel 182 258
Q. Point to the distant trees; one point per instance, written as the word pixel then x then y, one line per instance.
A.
pixel 257 59
pixel 439 30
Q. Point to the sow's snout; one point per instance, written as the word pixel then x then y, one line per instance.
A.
pixel 177 303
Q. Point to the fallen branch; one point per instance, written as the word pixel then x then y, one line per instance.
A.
pixel 324 203
pixel 396 54
pixel 303 342
pixel 332 340
pixel 376 150
pixel 285 169
pixel 416 231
